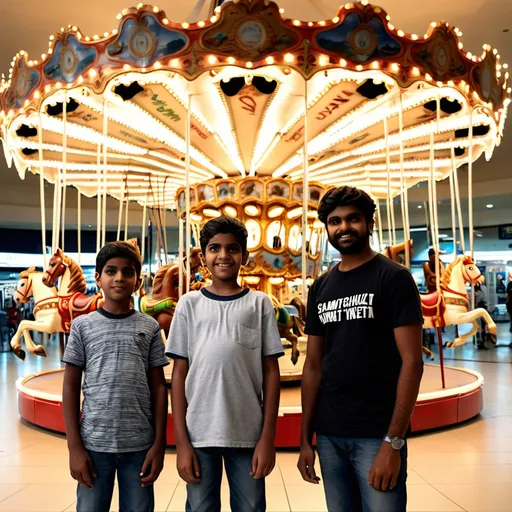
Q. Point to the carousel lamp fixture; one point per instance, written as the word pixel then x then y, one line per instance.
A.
pixel 252 210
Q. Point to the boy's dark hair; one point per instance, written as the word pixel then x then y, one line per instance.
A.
pixel 431 251
pixel 344 196
pixel 119 250
pixel 223 224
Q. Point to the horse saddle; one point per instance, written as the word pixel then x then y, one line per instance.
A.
pixel 432 304
pixel 75 305
pixel 153 306
pixel 83 303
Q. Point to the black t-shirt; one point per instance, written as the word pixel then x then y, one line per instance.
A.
pixel 356 313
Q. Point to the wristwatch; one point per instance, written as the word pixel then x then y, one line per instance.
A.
pixel 397 443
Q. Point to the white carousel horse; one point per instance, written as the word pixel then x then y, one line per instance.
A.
pixel 451 306
pixel 46 317
pixel 54 310
pixel 71 292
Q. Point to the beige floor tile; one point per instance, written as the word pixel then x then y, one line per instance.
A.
pixel 33 458
pixel 7 490
pixel 35 474
pixel 290 458
pixel 277 499
pixel 179 499
pixel 480 498
pixel 306 499
pixel 489 474
pixel 40 498
pixel 413 478
pixel 472 458
pixel 443 442
pixel 424 498
pixel 292 476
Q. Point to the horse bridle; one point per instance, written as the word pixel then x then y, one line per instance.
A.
pixel 465 274
pixel 28 289
pixel 54 270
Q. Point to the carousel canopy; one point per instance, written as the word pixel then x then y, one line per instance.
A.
pixel 114 112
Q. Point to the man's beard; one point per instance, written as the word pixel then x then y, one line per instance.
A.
pixel 355 246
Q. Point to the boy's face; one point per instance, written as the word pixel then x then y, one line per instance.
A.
pixel 224 257
pixel 118 280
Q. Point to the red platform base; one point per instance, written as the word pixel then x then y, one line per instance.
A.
pixel 40 403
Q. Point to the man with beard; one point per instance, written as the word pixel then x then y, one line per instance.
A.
pixel 363 367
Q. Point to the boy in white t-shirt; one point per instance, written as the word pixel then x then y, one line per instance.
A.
pixel 225 383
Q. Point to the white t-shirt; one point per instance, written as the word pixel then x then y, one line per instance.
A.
pixel 224 340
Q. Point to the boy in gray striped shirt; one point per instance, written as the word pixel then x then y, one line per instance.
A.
pixel 124 410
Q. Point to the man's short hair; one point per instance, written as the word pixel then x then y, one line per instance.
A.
pixel 224 225
pixel 345 196
pixel 119 250
pixel 431 252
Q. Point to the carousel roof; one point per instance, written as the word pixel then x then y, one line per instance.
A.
pixel 113 111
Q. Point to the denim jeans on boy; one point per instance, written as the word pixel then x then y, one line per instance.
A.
pixel 132 496
pixel 346 465
pixel 247 494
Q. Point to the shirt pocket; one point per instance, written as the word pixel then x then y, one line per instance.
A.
pixel 247 337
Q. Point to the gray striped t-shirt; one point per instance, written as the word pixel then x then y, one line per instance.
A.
pixel 116 352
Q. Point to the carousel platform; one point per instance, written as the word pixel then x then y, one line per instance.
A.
pixel 40 401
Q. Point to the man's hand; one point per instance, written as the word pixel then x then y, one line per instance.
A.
pixel 81 466
pixel 306 464
pixel 385 469
pixel 153 464
pixel 188 463
pixel 264 459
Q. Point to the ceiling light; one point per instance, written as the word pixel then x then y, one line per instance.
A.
pixel 489 206
pixel 420 207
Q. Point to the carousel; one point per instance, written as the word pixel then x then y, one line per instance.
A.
pixel 252 115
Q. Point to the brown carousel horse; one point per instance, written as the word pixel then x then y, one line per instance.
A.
pixel 397 252
pixel 161 304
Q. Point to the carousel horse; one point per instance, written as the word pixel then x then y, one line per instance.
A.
pixel 450 305
pixel 31 284
pixel 165 292
pixel 164 296
pixel 397 252
pixel 287 324
pixel 48 305
pixel 71 293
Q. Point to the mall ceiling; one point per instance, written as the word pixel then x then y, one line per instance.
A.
pixel 27 25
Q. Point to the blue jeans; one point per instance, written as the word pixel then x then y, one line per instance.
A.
pixel 132 496
pixel 346 465
pixel 246 493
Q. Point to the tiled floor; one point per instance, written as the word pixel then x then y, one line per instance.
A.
pixel 464 468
